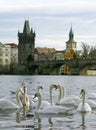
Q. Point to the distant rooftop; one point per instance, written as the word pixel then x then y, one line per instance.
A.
pixel 13 45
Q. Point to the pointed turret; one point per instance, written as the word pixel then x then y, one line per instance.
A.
pixel 71 35
pixel 31 30
pixel 26 28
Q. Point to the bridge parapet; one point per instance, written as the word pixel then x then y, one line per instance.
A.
pixel 75 64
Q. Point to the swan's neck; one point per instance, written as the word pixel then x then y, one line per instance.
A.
pixel 38 89
pixel 84 99
pixel 25 91
pixel 26 102
pixel 51 100
pixel 39 102
pixel 18 94
pixel 60 93
pixel 63 92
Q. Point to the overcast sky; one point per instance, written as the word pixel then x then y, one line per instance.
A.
pixel 51 20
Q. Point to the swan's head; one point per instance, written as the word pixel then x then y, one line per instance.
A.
pixel 59 86
pixel 54 86
pixel 24 84
pixel 36 95
pixel 40 87
pixel 83 92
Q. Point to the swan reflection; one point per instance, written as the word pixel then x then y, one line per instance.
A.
pixel 20 115
pixel 83 120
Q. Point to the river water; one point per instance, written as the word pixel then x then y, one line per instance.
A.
pixel 15 120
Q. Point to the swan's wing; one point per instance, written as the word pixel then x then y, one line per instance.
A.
pixel 92 95
pixel 45 104
pixel 6 104
pixel 92 103
pixel 54 110
pixel 86 108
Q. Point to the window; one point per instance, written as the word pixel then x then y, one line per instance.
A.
pixel 6 60
pixel 6 49
pixel 0 61
pixel 6 54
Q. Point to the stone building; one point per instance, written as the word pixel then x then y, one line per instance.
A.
pixel 26 44
pixel 5 58
pixel 14 52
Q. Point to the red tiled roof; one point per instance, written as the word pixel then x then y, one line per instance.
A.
pixel 12 45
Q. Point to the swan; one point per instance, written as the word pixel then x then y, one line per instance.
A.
pixel 34 101
pixel 84 106
pixel 52 109
pixel 23 98
pixel 45 103
pixel 72 100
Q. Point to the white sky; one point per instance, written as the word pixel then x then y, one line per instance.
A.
pixel 51 19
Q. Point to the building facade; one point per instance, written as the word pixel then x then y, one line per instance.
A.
pixel 5 57
pixel 26 44
pixel 14 52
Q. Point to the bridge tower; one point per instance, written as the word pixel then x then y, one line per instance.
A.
pixel 26 44
pixel 71 43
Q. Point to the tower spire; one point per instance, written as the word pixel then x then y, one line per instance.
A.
pixel 26 28
pixel 71 34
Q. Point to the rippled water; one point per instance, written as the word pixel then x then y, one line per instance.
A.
pixel 16 120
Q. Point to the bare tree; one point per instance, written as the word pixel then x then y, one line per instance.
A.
pixel 86 49
pixel 92 53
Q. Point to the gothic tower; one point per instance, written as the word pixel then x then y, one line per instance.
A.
pixel 71 43
pixel 26 44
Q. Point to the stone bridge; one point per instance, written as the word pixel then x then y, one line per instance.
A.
pixel 75 65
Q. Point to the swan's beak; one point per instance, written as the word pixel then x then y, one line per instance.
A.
pixel 55 86
pixel 35 96
pixel 41 87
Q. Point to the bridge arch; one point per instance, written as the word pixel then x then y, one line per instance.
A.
pixel 65 70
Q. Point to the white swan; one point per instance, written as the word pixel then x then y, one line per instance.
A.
pixel 34 101
pixel 46 103
pixel 52 109
pixel 72 100
pixel 23 98
pixel 83 106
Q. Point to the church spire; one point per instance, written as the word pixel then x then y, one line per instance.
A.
pixel 26 28
pixel 71 35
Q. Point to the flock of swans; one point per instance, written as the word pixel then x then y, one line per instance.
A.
pixel 64 104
